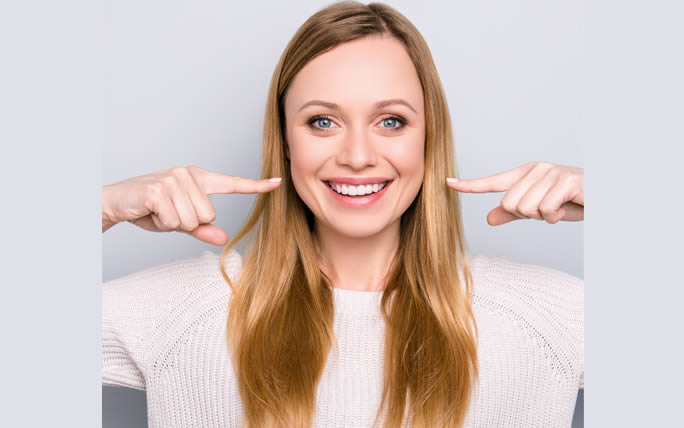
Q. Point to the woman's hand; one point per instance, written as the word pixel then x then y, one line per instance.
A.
pixel 175 200
pixel 539 190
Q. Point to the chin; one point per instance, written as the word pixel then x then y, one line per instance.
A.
pixel 355 230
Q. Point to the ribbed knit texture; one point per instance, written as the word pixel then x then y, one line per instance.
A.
pixel 164 331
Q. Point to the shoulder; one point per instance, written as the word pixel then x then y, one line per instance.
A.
pixel 151 296
pixel 528 289
pixel 542 303
pixel 177 275
pixel 533 285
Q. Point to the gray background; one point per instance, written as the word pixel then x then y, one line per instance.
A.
pixel 187 82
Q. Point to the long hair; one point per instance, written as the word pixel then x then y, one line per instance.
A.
pixel 280 322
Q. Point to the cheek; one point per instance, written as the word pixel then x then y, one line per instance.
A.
pixel 307 156
pixel 410 164
pixel 409 158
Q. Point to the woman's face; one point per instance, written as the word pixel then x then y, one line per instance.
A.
pixel 357 112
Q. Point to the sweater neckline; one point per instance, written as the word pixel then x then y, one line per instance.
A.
pixel 357 302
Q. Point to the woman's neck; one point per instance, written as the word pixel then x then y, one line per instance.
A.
pixel 358 264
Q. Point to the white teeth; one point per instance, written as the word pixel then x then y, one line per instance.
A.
pixel 357 190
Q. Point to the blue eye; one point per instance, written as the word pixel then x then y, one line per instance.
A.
pixel 320 122
pixel 394 123
pixel 390 122
pixel 324 123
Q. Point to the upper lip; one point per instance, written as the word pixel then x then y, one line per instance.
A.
pixel 357 180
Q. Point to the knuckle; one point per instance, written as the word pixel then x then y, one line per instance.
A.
pixel 508 205
pixel 170 224
pixel 527 210
pixel 179 172
pixel 190 226
pixel 551 219
pixel 170 180
pixel 554 173
pixel 545 165
pixel 154 190
pixel 207 217
pixel 193 170
pixel 568 179
pixel 546 210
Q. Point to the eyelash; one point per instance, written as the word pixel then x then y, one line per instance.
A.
pixel 318 117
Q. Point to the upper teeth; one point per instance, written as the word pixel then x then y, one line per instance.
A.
pixel 363 189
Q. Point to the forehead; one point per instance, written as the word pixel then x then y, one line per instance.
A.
pixel 362 71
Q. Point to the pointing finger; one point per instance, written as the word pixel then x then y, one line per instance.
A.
pixel 212 183
pixel 500 182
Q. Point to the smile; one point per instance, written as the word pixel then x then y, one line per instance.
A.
pixel 349 196
pixel 360 190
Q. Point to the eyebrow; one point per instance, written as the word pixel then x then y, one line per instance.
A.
pixel 378 105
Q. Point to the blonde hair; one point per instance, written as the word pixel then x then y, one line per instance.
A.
pixel 280 322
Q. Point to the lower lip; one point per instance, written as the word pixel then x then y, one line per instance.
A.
pixel 358 201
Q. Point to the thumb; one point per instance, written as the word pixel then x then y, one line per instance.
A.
pixel 209 233
pixel 499 216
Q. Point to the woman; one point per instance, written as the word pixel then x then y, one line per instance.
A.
pixel 355 302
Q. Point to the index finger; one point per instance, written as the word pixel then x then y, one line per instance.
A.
pixel 500 182
pixel 213 182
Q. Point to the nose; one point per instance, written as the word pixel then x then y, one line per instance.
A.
pixel 358 150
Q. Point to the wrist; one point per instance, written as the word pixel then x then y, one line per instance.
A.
pixel 107 218
pixel 106 224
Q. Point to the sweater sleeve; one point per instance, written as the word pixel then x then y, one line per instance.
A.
pixel 560 299
pixel 127 319
pixel 136 306
pixel 548 303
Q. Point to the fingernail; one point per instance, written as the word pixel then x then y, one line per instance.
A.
pixel 452 180
pixel 275 179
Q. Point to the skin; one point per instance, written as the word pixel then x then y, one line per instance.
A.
pixel 358 140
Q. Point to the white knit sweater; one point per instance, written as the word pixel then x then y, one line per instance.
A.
pixel 164 331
